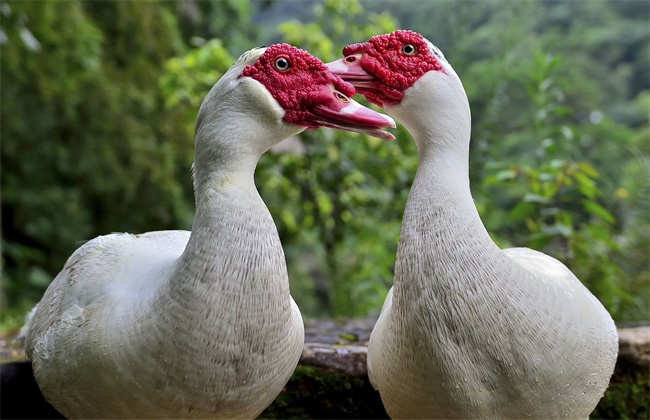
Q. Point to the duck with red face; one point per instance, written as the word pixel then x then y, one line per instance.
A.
pixel 469 330
pixel 200 323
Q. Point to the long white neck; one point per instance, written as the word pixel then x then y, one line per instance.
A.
pixel 443 237
pixel 472 331
pixel 234 245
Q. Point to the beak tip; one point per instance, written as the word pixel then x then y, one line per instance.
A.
pixel 390 120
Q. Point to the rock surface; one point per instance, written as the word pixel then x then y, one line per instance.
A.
pixel 331 380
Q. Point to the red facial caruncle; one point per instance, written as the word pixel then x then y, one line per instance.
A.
pixel 311 95
pixel 295 79
pixel 394 61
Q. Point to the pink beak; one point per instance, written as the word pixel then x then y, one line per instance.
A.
pixel 340 112
pixel 349 69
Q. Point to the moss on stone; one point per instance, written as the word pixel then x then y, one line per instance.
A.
pixel 627 397
pixel 317 393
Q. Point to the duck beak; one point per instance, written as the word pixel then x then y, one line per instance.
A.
pixel 349 69
pixel 336 110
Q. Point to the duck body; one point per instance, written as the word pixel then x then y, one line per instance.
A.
pixel 204 347
pixel 454 340
pixel 199 324
pixel 469 330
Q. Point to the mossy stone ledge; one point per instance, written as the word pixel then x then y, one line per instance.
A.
pixel 331 380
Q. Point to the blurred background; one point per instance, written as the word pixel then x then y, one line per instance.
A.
pixel 99 100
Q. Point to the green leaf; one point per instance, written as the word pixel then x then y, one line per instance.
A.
pixel 540 240
pixel 598 210
pixel 588 169
pixel 586 185
pixel 522 210
pixel 534 198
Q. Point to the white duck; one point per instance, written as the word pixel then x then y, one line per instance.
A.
pixel 469 330
pixel 195 324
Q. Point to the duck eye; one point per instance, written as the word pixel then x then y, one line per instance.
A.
pixel 409 49
pixel 282 64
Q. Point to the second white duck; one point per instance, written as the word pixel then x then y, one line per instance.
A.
pixel 469 330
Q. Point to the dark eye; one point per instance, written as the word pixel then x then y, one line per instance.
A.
pixel 409 49
pixel 282 64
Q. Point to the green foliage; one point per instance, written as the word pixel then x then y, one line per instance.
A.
pixel 99 101
pixel 187 79
pixel 342 185
pixel 87 148
pixel 557 198
pixel 13 318
pixel 229 20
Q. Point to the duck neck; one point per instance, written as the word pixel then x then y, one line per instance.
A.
pixel 234 245
pixel 443 243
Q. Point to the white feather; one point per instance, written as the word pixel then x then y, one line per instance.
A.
pixel 470 330
pixel 179 324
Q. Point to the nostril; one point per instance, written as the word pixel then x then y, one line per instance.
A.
pixel 350 59
pixel 341 97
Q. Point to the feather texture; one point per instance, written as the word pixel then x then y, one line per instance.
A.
pixel 469 330
pixel 179 324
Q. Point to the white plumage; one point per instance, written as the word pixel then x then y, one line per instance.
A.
pixel 469 330
pixel 198 324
